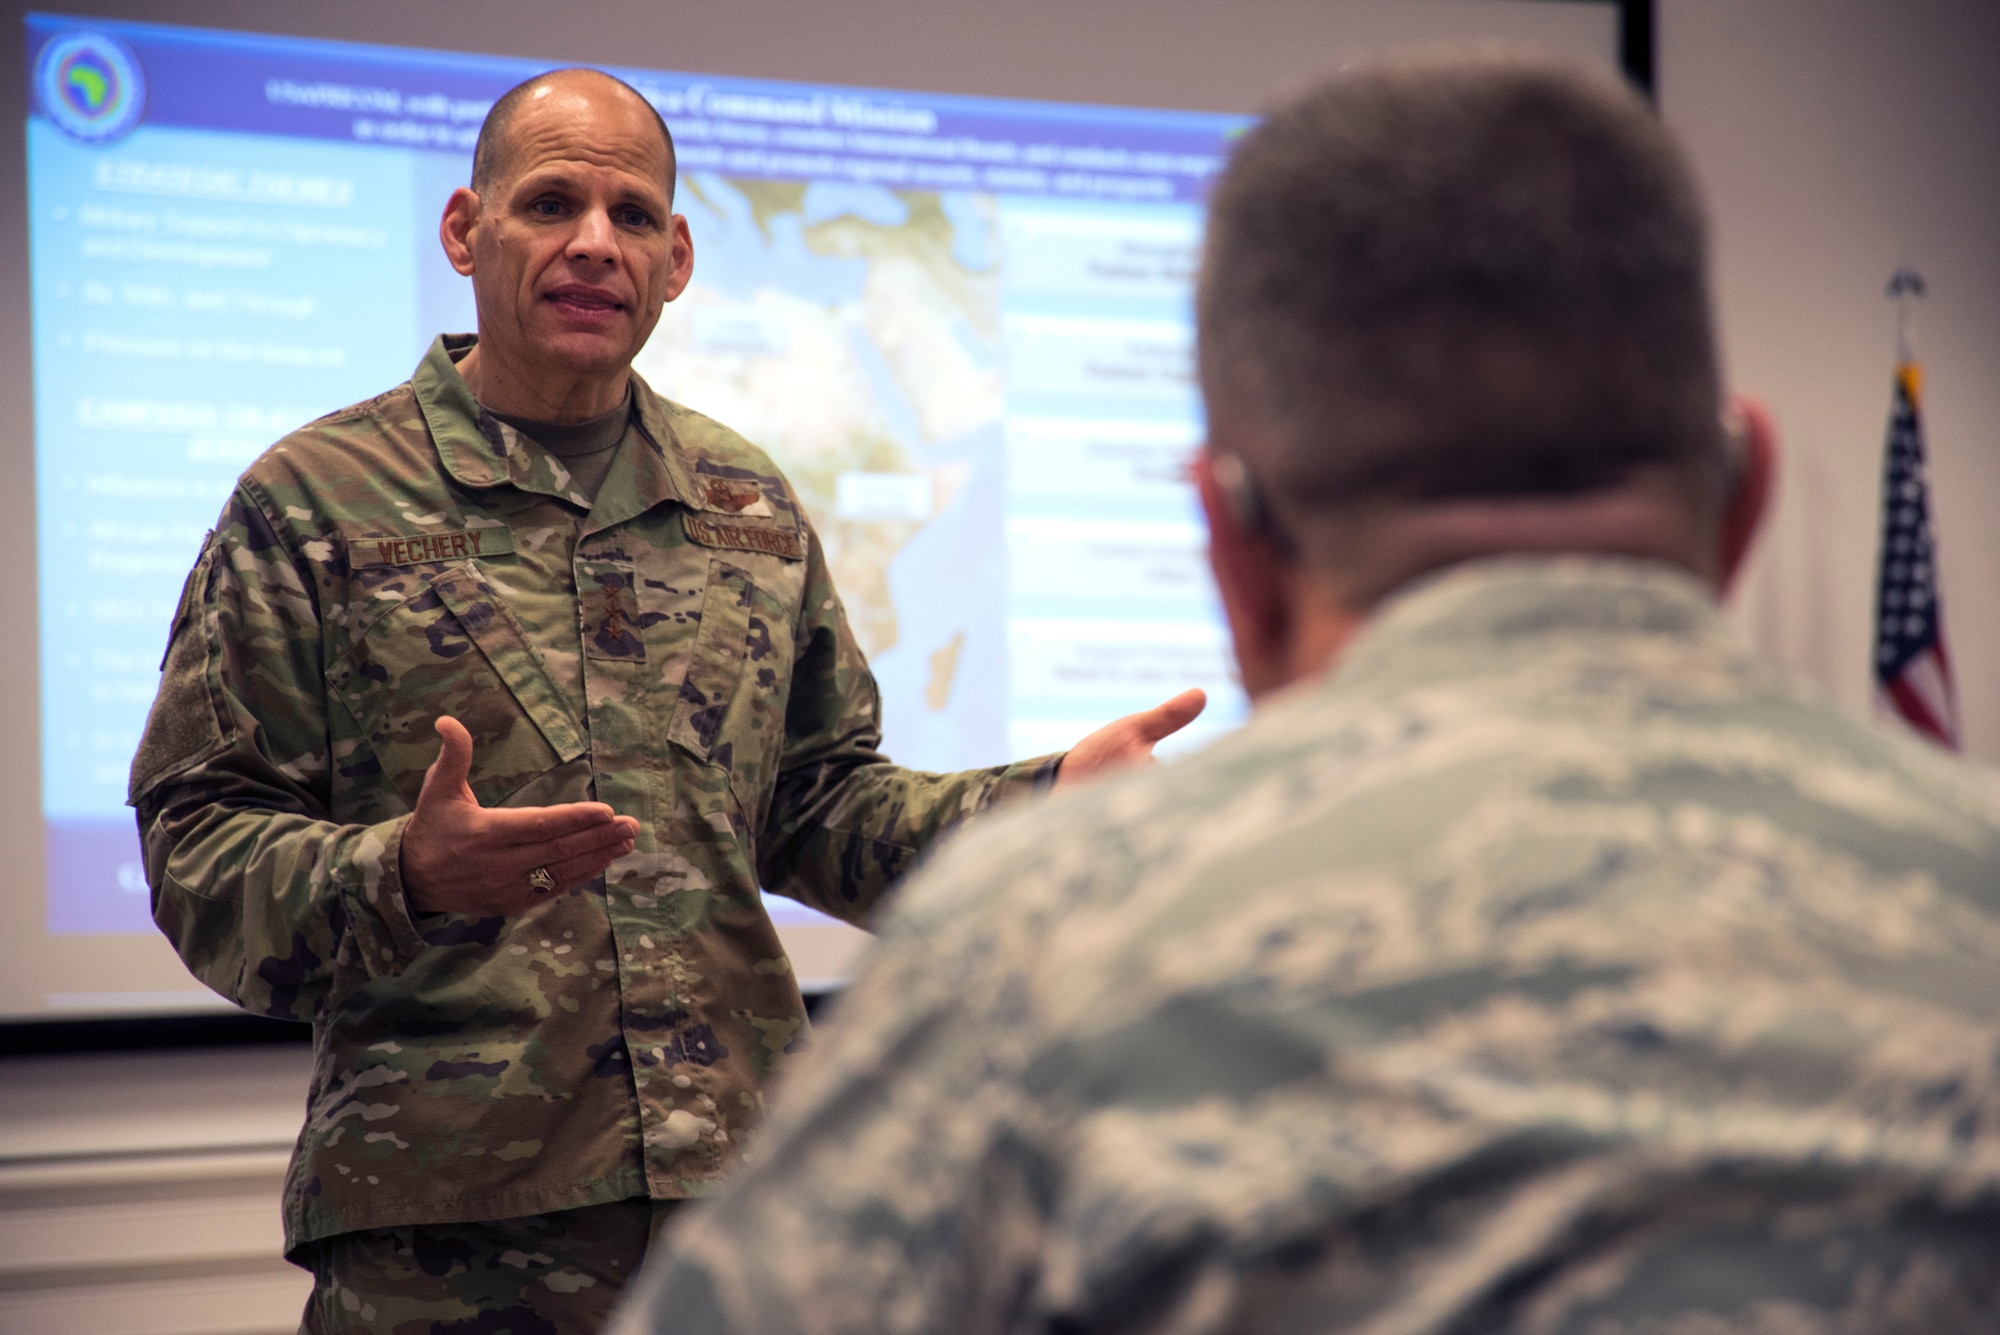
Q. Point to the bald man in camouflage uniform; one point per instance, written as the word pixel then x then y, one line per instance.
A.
pixel 1536 959
pixel 490 705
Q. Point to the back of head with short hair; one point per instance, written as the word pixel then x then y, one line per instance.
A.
pixel 489 152
pixel 1459 276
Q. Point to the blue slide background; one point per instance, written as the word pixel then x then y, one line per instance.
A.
pixel 260 248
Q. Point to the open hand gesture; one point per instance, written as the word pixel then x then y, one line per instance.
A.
pixel 1130 740
pixel 460 856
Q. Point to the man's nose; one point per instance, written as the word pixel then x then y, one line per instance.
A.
pixel 595 238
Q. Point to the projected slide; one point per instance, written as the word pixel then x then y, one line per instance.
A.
pixel 961 326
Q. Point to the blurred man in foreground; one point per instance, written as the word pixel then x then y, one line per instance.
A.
pixel 1535 959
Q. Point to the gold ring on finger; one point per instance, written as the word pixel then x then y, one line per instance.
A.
pixel 541 880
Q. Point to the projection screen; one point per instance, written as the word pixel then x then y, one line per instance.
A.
pixel 960 324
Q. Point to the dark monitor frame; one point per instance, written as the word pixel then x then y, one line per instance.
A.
pixel 1636 57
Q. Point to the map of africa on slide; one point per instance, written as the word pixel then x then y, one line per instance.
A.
pixel 854 333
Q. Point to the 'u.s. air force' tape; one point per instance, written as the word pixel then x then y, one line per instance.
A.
pixel 420 548
pixel 744 537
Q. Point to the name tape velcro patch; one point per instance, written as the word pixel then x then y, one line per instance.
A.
pixel 744 537
pixel 421 548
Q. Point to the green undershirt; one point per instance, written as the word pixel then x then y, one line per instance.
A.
pixel 585 448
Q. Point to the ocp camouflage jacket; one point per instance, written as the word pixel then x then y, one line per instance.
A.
pixel 676 650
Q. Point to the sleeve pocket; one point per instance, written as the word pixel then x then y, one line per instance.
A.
pixel 186 725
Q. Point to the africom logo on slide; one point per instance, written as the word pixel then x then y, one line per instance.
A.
pixel 91 86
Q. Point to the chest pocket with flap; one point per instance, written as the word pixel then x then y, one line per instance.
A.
pixel 730 710
pixel 454 648
pixel 716 665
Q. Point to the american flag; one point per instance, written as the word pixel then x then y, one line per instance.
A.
pixel 1912 670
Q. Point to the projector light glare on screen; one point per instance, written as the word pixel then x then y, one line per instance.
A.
pixel 961 326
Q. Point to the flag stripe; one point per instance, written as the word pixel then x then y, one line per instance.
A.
pixel 1912 709
pixel 1930 680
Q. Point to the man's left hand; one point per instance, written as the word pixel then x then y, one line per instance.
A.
pixel 1129 740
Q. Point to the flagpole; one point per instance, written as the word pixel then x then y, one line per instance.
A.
pixel 1906 288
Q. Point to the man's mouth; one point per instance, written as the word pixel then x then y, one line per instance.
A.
pixel 574 299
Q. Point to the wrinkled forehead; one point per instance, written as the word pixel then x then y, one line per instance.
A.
pixel 585 120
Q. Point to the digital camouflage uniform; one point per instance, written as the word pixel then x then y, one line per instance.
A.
pixel 1552 966
pixel 675 650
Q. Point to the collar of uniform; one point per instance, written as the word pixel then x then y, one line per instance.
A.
pixel 642 478
pixel 452 415
pixel 639 479
pixel 1485 613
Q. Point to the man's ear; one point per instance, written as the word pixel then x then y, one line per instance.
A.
pixel 461 215
pixel 680 265
pixel 1754 483
pixel 1251 578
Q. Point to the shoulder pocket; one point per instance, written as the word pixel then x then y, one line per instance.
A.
pixel 454 648
pixel 186 725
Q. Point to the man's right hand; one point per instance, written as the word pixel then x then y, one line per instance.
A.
pixel 462 857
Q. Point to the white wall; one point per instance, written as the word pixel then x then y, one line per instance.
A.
pixel 1836 140
pixel 139 1192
